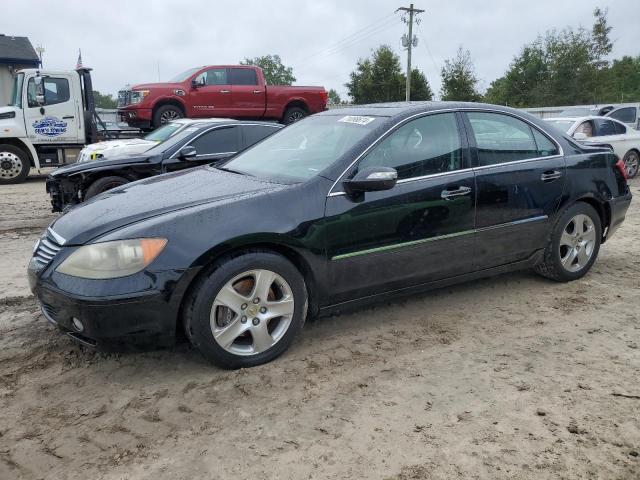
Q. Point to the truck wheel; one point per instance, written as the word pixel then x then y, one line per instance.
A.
pixel 14 164
pixel 293 114
pixel 165 114
pixel 104 184
pixel 631 163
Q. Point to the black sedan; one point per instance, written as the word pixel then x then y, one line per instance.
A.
pixel 339 209
pixel 197 142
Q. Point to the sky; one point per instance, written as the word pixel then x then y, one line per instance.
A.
pixel 139 41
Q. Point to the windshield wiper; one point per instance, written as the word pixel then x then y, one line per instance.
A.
pixel 234 171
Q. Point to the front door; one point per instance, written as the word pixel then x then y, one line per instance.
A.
pixel 57 120
pixel 419 231
pixel 212 146
pixel 520 176
pixel 211 94
pixel 249 98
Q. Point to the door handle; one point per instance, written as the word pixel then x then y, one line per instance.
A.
pixel 257 91
pixel 458 192
pixel 68 117
pixel 551 175
pixel 225 91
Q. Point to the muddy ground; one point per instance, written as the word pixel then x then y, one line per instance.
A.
pixel 510 377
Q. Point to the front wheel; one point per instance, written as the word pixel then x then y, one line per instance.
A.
pixel 103 184
pixel 14 164
pixel 574 246
pixel 166 114
pixel 246 310
pixel 631 163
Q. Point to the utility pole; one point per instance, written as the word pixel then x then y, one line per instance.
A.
pixel 410 41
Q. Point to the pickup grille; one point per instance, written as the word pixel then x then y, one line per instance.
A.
pixel 124 98
pixel 48 247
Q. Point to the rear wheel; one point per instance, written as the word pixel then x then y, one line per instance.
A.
pixel 574 245
pixel 166 114
pixel 104 184
pixel 631 163
pixel 247 310
pixel 293 114
pixel 14 164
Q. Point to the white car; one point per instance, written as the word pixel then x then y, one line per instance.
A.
pixel 624 141
pixel 131 146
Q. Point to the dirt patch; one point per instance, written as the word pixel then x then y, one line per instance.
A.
pixel 509 377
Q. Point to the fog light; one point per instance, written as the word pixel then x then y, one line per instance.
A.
pixel 77 324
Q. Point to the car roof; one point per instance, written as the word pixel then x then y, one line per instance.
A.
pixel 205 122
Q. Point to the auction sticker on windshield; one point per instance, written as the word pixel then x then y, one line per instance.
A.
pixel 360 120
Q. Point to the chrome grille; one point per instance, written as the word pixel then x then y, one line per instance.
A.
pixel 47 248
pixel 124 98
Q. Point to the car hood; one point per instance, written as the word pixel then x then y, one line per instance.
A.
pixel 115 148
pixel 152 86
pixel 152 197
pixel 82 167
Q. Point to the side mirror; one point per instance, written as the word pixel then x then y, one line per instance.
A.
pixel 371 179
pixel 39 84
pixel 188 153
pixel 195 83
pixel 580 136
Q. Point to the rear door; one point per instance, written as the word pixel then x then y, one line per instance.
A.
pixel 419 231
pixel 248 96
pixel 212 95
pixel 520 175
pixel 58 119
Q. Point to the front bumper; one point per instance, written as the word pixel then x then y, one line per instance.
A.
pixel 136 117
pixel 618 207
pixel 63 193
pixel 110 318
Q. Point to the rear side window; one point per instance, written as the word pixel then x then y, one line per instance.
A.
pixel 218 140
pixel 625 115
pixel 254 133
pixel 243 76
pixel 425 146
pixel 619 128
pixel 501 138
pixel 546 148
pixel 605 127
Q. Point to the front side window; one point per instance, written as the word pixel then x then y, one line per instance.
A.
pixel 213 76
pixel 218 140
pixel 425 146
pixel 501 138
pixel 243 76
pixel 255 133
pixel 56 90
pixel 625 115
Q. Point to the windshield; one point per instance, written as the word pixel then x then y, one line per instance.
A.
pixel 16 94
pixel 303 149
pixel 577 112
pixel 164 132
pixel 563 125
pixel 184 75
pixel 172 141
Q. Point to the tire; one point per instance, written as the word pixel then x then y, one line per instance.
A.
pixel 103 184
pixel 570 255
pixel 293 114
pixel 234 340
pixel 14 164
pixel 631 163
pixel 166 113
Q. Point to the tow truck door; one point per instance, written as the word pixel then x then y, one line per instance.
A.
pixel 56 118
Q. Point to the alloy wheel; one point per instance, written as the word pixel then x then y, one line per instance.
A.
pixel 168 116
pixel 252 312
pixel 295 116
pixel 631 164
pixel 10 165
pixel 577 243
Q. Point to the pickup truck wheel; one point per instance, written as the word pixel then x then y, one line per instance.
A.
pixel 574 245
pixel 631 163
pixel 293 114
pixel 165 114
pixel 14 164
pixel 104 184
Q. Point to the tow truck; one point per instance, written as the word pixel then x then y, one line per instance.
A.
pixel 51 117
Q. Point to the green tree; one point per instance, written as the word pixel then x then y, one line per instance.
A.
pixel 104 101
pixel 275 73
pixel 459 81
pixel 334 97
pixel 621 81
pixel 378 79
pixel 420 88
pixel 601 43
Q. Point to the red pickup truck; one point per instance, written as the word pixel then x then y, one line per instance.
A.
pixel 230 91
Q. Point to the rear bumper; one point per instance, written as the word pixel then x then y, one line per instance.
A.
pixel 618 207
pixel 136 117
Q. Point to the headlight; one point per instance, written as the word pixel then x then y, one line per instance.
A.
pixel 112 259
pixel 138 95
